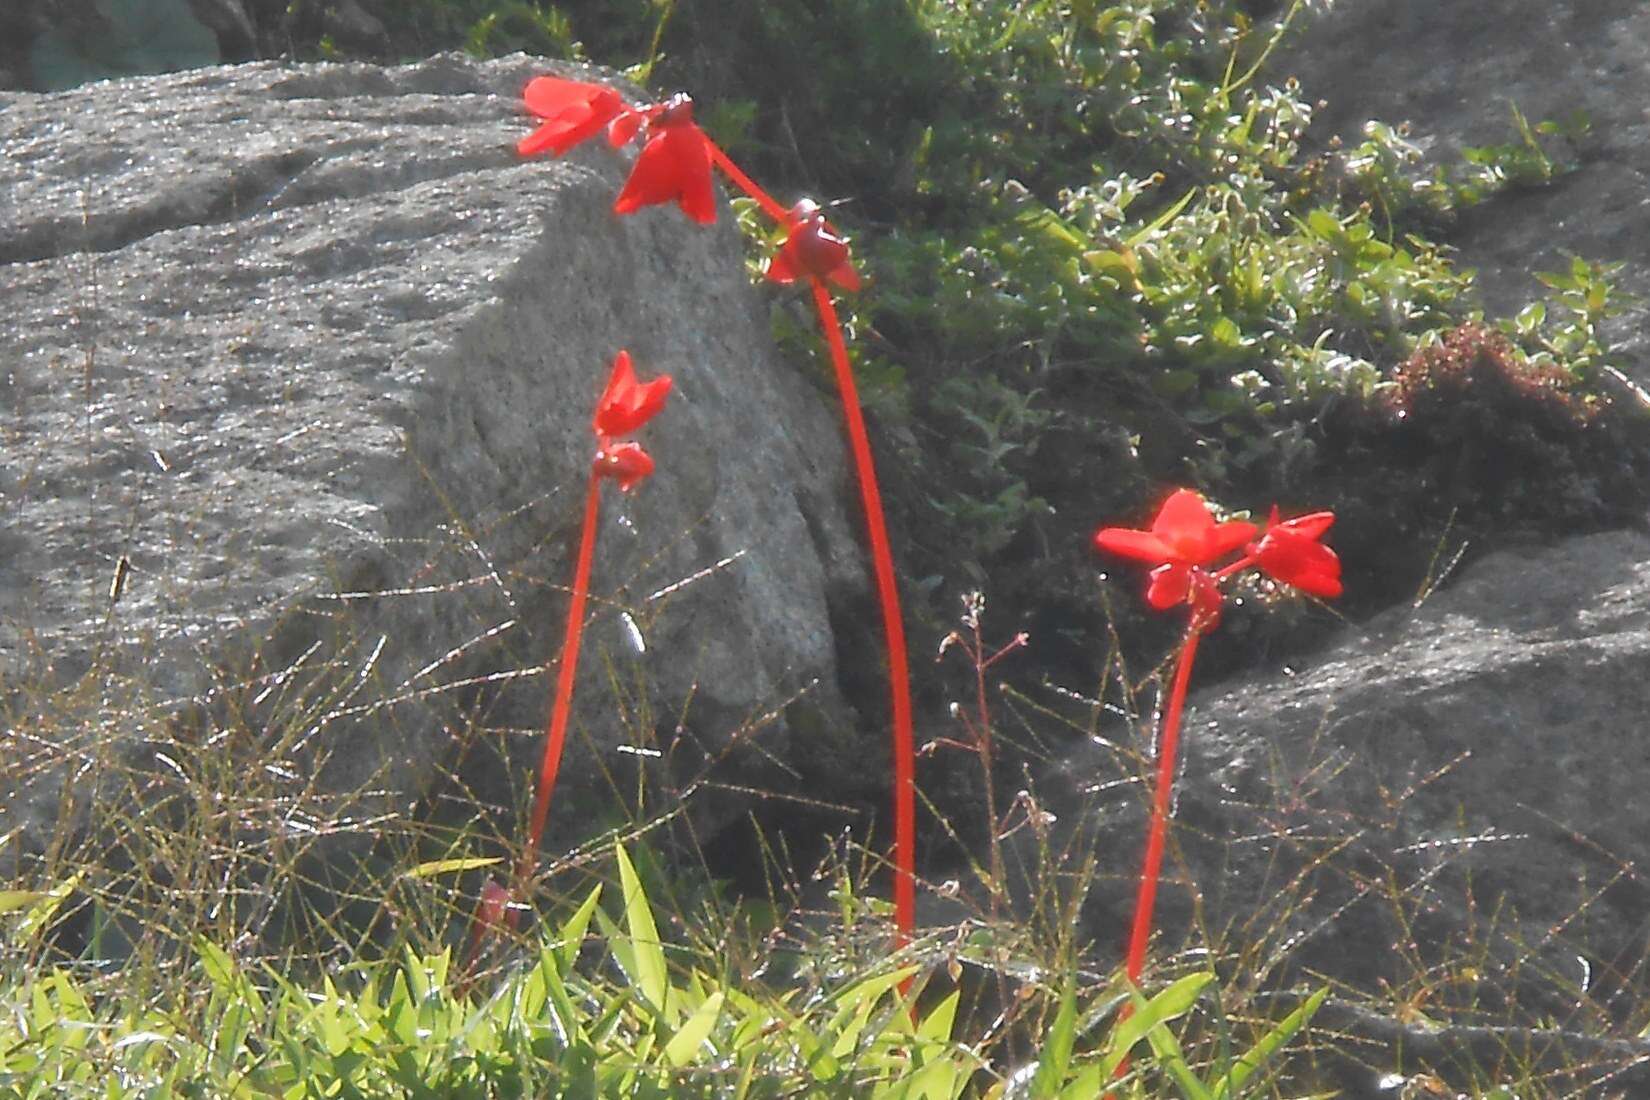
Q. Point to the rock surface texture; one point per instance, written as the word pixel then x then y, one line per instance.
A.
pixel 1460 781
pixel 308 356
pixel 1455 72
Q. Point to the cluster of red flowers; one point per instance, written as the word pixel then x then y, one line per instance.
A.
pixel 675 166
pixel 1184 542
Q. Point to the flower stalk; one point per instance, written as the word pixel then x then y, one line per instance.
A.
pixel 770 206
pixel 561 703
pixel 893 622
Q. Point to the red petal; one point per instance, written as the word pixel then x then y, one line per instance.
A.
pixel 1311 526
pixel 1229 536
pixel 654 179
pixel 782 266
pixel 1183 515
pixel 698 197
pixel 1169 585
pixel 1300 562
pixel 674 165
pixel 620 380
pixel 549 96
pixel 845 276
pixel 1321 585
pixel 626 463
pixel 626 404
pixel 572 111
pixel 1128 543
pixel 539 140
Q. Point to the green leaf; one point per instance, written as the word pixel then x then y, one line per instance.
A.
pixel 448 866
pixel 44 909
pixel 854 1006
pixel 1269 1044
pixel 1173 1059
pixel 1160 221
pixel 1171 1004
pixel 1055 1058
pixel 1325 225
pixel 16 899
pixel 649 956
pixel 573 932
pixel 689 1039
pixel 936 1026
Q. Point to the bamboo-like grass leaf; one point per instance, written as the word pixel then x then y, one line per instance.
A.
pixel 1270 1043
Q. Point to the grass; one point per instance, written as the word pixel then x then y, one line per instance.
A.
pixel 176 936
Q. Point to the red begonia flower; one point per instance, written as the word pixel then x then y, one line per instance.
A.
pixel 673 166
pixel 625 462
pixel 1184 537
pixel 1290 552
pixel 572 111
pixel 814 248
pixel 626 404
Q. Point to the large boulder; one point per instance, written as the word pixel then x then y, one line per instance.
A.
pixel 1448 804
pixel 1456 72
pixel 306 355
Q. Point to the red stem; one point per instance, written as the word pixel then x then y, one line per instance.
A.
pixel 562 702
pixel 749 186
pixel 893 626
pixel 1167 742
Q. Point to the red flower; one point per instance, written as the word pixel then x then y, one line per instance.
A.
pixel 625 462
pixel 572 111
pixel 626 404
pixel 673 166
pixel 1184 537
pixel 1290 552
pixel 813 249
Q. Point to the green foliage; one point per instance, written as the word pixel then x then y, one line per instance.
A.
pixel 520 26
pixel 1385 169
pixel 1568 337
pixel 659 1021
pixel 1523 163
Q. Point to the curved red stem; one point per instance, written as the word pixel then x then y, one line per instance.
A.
pixel 749 186
pixel 893 625
pixel 562 702
pixel 1168 741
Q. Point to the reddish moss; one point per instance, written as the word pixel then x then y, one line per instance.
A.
pixel 1471 446
pixel 1481 365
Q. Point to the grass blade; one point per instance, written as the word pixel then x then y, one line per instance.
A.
pixel 646 951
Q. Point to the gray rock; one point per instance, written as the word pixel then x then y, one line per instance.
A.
pixel 314 353
pixel 1455 71
pixel 1461 781
pixel 85 40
